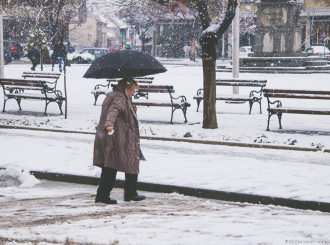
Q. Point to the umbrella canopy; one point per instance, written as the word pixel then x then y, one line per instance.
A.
pixel 124 63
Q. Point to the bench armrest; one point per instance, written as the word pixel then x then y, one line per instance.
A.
pixel 253 92
pixel 182 97
pixel 97 86
pixel 199 91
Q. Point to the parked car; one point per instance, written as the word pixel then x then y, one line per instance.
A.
pixel 317 51
pixel 70 47
pixel 97 52
pixel 14 48
pixel 244 51
pixel 115 47
pixel 7 56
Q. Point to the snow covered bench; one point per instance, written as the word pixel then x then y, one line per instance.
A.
pixel 252 97
pixel 19 89
pixel 51 77
pixel 104 89
pixel 279 109
pixel 146 89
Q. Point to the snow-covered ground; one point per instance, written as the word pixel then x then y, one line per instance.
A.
pixel 234 122
pixel 43 213
pixel 278 173
pixel 61 213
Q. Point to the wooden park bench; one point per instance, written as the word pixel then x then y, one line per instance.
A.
pixel 104 89
pixel 180 104
pixel 252 97
pixel 278 108
pixel 32 89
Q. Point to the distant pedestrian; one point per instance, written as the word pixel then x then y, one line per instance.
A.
pixel 117 143
pixel 193 44
pixel 186 50
pixel 34 56
pixel 58 55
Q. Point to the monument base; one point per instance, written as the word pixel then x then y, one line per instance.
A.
pixel 281 61
pixel 293 65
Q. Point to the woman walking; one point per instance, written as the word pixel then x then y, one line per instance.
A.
pixel 117 143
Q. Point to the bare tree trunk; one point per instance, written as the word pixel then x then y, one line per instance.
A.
pixel 42 60
pixel 209 112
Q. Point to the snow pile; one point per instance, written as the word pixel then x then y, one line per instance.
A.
pixel 24 177
pixel 83 55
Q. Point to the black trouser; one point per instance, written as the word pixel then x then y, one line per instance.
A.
pixel 34 64
pixel 107 182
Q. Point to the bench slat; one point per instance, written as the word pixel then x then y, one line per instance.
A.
pixel 241 80
pixel 241 84
pixel 24 84
pixel 150 86
pixel 163 104
pixel 232 97
pixel 299 96
pixel 156 86
pixel 41 73
pixel 155 90
pixel 34 96
pixel 293 91
pixel 41 76
pixel 301 110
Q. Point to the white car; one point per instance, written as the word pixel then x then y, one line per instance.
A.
pixel 317 51
pixel 244 51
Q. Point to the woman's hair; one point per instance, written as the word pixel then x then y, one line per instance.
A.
pixel 129 83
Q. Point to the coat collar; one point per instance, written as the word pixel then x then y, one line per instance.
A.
pixel 123 90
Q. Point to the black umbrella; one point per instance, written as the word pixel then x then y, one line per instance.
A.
pixel 124 63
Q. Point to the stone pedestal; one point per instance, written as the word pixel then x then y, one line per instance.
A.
pixel 277 40
pixel 278 31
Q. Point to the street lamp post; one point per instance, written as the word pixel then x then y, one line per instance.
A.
pixel 325 40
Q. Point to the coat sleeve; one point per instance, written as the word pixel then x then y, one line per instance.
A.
pixel 116 107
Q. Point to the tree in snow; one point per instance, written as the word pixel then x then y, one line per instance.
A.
pixel 39 38
pixel 49 16
pixel 213 26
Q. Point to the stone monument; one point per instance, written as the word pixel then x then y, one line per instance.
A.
pixel 277 39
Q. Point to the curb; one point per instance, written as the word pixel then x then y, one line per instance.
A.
pixel 194 192
pixel 205 142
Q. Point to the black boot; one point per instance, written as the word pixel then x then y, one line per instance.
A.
pixel 104 199
pixel 130 189
pixel 106 184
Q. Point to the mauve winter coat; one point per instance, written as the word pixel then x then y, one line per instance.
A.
pixel 120 151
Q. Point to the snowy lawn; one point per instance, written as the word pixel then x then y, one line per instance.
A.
pixel 234 122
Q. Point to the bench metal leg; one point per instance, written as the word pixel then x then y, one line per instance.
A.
pixel 250 104
pixel 60 102
pixel 198 102
pixel 279 115
pixel 269 116
pixel 184 110
pixel 19 103
pixel 5 101
pixel 47 102
pixel 96 96
pixel 173 109
pixel 4 105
